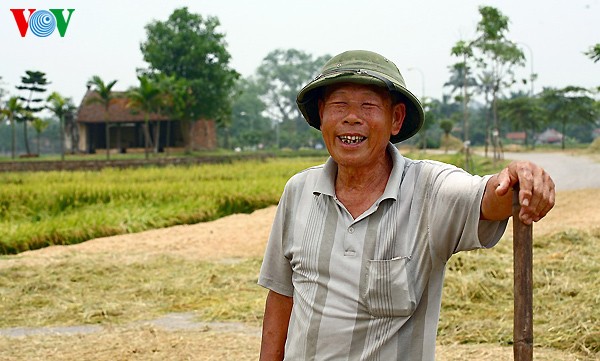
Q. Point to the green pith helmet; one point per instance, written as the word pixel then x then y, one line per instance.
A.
pixel 362 67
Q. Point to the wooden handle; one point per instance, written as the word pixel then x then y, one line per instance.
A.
pixel 523 284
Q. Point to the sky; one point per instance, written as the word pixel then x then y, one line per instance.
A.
pixel 103 37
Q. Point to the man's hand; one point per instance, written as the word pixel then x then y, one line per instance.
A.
pixel 536 194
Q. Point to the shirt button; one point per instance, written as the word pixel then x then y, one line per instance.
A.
pixel 351 230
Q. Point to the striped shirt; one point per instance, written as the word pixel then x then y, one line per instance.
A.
pixel 370 288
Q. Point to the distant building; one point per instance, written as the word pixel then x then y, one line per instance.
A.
pixel 517 137
pixel 126 128
pixel 596 133
pixel 549 136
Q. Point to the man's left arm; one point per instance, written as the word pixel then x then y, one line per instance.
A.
pixel 536 193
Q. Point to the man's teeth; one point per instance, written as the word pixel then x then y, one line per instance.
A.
pixel 351 139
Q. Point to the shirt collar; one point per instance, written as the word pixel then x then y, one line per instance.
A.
pixel 326 183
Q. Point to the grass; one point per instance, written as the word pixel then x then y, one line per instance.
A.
pixel 56 208
pixel 89 290
pixel 40 209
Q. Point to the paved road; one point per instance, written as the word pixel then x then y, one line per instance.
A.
pixel 569 172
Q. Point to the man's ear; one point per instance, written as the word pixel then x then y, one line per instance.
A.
pixel 398 115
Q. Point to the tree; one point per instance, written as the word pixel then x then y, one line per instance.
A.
pixel 170 102
pixel 524 113
pixel 62 108
pixel 39 125
pixel 446 125
pixel 34 82
pixel 462 79
pixel 249 126
pixel 189 46
pixel 282 74
pixel 498 56
pixel 13 110
pixel 594 53
pixel 145 98
pixel 485 85
pixel 569 105
pixel 104 96
pixel 431 110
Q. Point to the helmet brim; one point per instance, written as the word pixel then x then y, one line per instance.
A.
pixel 308 98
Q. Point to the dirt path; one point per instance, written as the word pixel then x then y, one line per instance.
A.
pixel 568 171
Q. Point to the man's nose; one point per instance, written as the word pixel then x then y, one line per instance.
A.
pixel 354 115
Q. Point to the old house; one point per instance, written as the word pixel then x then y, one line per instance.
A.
pixel 549 136
pixel 517 137
pixel 126 128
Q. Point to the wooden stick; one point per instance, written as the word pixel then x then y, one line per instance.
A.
pixel 523 284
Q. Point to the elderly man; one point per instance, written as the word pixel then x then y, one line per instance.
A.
pixel 356 256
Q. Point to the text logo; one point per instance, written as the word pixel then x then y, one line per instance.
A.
pixel 42 22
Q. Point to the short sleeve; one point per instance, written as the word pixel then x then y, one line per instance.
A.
pixel 276 271
pixel 454 214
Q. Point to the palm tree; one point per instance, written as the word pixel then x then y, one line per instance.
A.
pixel 104 97
pixel 62 108
pixel 169 87
pixel 145 98
pixel 13 110
pixel 39 125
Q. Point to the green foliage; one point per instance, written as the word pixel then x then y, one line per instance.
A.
pixel 13 111
pixel 493 25
pixel 34 82
pixel 594 53
pixel 189 46
pixel 446 125
pixel 281 75
pixel 104 96
pixel 64 110
pixel 524 113
pixel 249 126
pixel 103 90
pixel 146 99
pixel 498 56
pixel 569 106
pixel 39 125
pixel 495 57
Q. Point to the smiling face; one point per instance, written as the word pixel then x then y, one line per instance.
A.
pixel 357 122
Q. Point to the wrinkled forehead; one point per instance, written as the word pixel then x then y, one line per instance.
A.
pixel 349 88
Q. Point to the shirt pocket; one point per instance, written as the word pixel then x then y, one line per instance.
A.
pixel 388 293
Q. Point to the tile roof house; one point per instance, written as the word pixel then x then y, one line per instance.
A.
pixel 517 137
pixel 549 136
pixel 126 128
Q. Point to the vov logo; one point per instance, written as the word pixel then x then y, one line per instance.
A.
pixel 42 22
